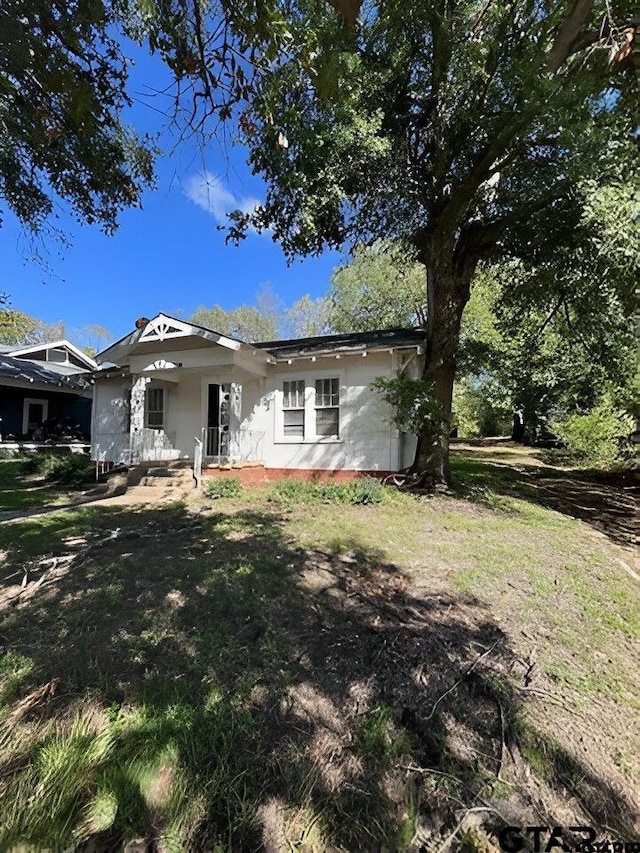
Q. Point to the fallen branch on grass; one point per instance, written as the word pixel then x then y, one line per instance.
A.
pixel 461 679
pixel 551 697
pixel 34 698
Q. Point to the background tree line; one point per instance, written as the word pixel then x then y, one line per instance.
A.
pixel 20 329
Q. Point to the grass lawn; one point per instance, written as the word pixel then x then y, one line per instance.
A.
pixel 19 490
pixel 41 480
pixel 279 669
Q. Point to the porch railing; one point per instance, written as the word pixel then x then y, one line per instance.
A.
pixel 217 442
pixel 222 445
pixel 154 445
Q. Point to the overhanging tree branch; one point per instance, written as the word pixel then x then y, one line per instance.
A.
pixel 569 33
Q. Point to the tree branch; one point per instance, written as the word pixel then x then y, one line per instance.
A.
pixel 478 239
pixel 548 318
pixel 569 32
pixel 349 9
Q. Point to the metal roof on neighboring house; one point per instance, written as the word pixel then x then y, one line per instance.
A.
pixel 33 372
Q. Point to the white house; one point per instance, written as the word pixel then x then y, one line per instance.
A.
pixel 297 404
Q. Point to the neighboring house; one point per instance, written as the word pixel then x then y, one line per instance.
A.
pixel 45 392
pixel 297 404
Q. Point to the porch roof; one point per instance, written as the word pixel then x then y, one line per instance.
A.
pixel 29 374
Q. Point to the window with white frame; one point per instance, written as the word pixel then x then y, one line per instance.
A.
pixel 327 408
pixel 293 408
pixel 155 408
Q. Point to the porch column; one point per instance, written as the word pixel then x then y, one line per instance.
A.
pixel 136 436
pixel 235 419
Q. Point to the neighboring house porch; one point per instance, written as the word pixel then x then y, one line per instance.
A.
pixel 45 394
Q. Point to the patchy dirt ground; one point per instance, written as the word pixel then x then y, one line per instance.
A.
pixel 607 501
pixel 416 673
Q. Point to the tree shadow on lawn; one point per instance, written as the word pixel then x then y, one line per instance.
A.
pixel 606 502
pixel 254 694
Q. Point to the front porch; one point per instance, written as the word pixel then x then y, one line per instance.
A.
pixel 182 394
pixel 172 420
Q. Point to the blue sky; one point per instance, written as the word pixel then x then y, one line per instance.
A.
pixel 168 255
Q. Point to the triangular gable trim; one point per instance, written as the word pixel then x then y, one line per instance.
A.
pixel 162 327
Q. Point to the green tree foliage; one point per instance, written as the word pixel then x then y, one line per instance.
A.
pixel 381 287
pixel 63 74
pixel 17 328
pixel 20 329
pixel 448 127
pixel 412 401
pixel 246 322
pixel 309 318
pixel 62 93
pixel 597 436
pixel 251 323
pixel 571 340
pixel 268 319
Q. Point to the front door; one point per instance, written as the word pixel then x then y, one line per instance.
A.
pixel 34 414
pixel 218 416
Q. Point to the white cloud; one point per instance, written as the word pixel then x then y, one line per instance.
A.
pixel 207 191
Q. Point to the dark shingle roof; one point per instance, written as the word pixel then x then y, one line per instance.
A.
pixel 379 339
pixel 29 371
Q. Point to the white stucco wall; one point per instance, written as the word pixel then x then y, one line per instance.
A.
pixel 213 357
pixel 183 413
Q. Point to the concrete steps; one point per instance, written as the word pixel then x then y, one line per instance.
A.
pixel 157 482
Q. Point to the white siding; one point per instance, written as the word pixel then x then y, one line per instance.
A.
pixel 367 439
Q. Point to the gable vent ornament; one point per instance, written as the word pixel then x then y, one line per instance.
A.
pixel 162 327
pixel 162 364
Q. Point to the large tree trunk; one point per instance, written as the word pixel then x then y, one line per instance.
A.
pixel 432 450
pixel 448 286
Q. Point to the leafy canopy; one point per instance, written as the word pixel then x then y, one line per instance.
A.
pixel 62 94
pixel 268 319
pixel 18 328
pixel 431 122
pixel 381 287
pixel 554 333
